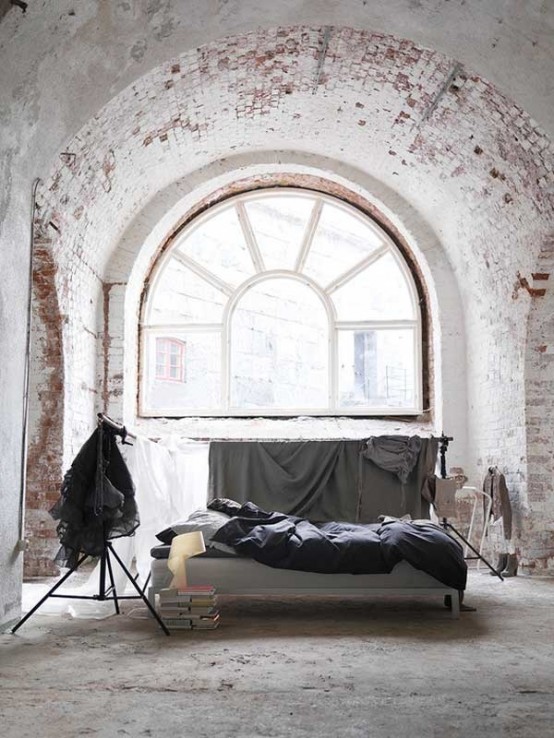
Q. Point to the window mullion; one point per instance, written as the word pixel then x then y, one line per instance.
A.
pixel 308 236
pixel 333 367
pixel 225 366
pixel 194 266
pixel 359 325
pixel 357 268
pixel 250 238
pixel 184 327
pixel 418 364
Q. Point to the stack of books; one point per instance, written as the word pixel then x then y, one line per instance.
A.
pixel 192 608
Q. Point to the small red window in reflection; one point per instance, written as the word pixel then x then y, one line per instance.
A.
pixel 170 359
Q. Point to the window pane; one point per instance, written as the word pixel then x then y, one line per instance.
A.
pixel 376 368
pixel 340 242
pixel 379 292
pixel 279 348
pixel 219 246
pixel 201 372
pixel 181 296
pixel 279 224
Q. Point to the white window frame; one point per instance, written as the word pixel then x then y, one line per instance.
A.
pixel 146 327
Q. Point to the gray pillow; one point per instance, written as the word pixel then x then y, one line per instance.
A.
pixel 206 521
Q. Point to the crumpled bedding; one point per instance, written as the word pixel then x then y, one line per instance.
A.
pixel 290 542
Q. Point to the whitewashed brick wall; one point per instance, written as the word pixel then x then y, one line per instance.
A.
pixel 464 173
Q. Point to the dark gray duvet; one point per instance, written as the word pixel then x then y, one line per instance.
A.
pixel 289 542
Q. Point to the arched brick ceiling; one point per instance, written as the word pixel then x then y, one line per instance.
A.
pixel 63 61
pixel 469 160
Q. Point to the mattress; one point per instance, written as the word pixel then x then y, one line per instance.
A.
pixel 245 576
pixel 239 575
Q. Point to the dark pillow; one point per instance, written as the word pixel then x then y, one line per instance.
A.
pixel 224 505
pixel 222 552
pixel 207 521
pixel 160 552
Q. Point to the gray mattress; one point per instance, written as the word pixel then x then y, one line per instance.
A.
pixel 239 575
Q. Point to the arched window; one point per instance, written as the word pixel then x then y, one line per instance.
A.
pixel 281 302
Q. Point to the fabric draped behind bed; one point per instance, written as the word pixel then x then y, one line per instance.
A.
pixel 383 492
pixel 322 480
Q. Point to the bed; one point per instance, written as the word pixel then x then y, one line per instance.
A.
pixel 254 552
pixel 243 576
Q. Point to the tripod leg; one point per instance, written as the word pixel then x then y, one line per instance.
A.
pixel 475 551
pixel 47 595
pixel 112 580
pixel 147 581
pixel 102 582
pixel 140 592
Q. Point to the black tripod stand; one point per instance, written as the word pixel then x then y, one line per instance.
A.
pixel 443 447
pixel 104 592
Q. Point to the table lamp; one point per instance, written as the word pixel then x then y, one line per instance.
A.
pixel 182 548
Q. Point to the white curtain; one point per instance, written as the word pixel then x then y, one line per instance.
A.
pixel 171 481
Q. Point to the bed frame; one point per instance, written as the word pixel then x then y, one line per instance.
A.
pixel 242 576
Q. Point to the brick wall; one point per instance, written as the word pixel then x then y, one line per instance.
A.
pixel 45 453
pixel 465 172
pixel 537 525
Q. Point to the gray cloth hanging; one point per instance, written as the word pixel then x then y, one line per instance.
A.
pixel 396 454
pixel 315 479
pixel 320 480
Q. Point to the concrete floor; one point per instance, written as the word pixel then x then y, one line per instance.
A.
pixel 293 668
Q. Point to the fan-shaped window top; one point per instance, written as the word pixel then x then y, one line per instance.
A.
pixel 289 302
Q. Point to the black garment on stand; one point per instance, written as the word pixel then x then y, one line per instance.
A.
pixel 97 500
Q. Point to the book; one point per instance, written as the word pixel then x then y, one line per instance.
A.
pixel 189 608
pixel 186 602
pixel 196 590
pixel 191 627
pixel 192 624
pixel 176 595
pixel 180 612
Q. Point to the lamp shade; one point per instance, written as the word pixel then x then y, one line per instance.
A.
pixel 182 548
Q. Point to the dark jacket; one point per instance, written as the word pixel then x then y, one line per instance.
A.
pixel 494 485
pixel 97 500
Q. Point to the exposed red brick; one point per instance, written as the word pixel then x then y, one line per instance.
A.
pixel 523 283
pixel 44 462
